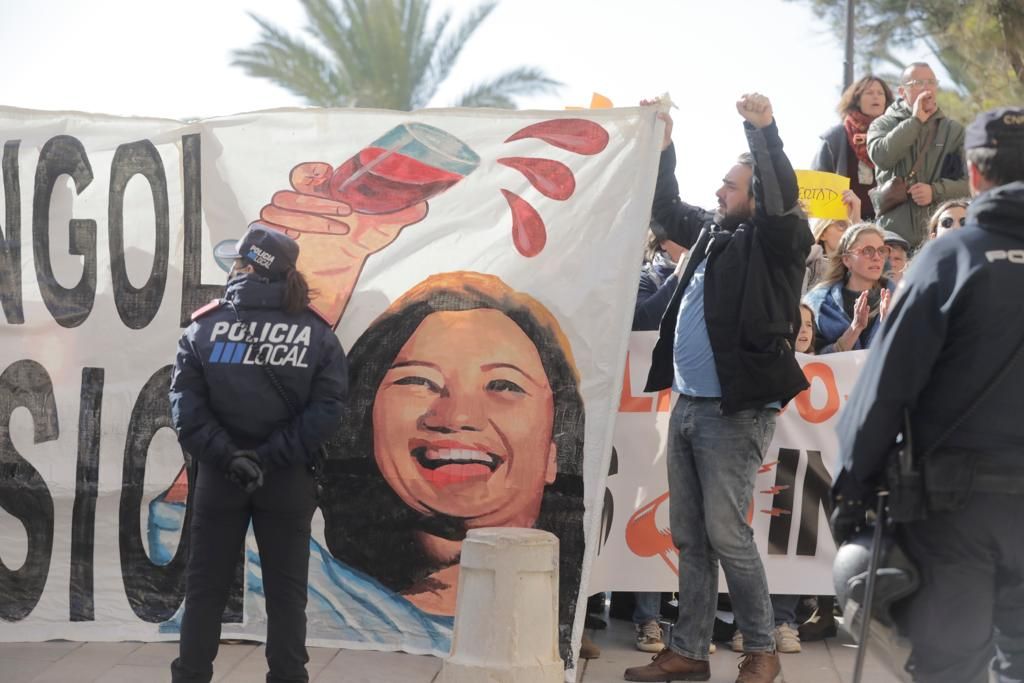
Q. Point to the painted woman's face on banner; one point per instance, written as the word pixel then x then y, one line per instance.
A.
pixel 462 421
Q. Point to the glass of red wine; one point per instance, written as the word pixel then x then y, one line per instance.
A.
pixel 407 165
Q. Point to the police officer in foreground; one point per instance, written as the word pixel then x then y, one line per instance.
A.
pixel 258 386
pixel 952 337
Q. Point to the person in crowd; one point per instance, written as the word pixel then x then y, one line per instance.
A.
pixel 659 275
pixel 259 383
pixel 732 371
pixel 465 413
pixel 853 297
pixel 805 338
pixel 663 261
pixel 918 154
pixel 844 148
pixel 827 232
pixel 786 634
pixel 950 357
pixel 951 215
pixel 899 257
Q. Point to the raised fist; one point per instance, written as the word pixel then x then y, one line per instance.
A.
pixel 755 108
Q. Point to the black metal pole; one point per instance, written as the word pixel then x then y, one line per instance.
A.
pixel 869 590
pixel 848 59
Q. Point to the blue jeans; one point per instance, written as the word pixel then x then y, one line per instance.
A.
pixel 712 463
pixel 647 607
pixel 784 608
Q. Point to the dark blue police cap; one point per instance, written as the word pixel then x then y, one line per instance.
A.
pixel 270 252
pixel 996 128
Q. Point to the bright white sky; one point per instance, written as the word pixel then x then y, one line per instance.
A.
pixel 171 59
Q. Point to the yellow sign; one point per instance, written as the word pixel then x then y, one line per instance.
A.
pixel 821 193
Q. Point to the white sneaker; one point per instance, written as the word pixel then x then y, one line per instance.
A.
pixel 737 641
pixel 648 637
pixel 787 639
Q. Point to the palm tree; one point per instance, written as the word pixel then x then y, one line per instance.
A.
pixel 378 53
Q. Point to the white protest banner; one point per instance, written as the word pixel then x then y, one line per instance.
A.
pixel 790 509
pixel 107 244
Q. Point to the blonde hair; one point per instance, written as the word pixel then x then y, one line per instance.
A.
pixel 837 270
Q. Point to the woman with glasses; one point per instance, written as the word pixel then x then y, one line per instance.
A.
pixel 853 297
pixel 951 215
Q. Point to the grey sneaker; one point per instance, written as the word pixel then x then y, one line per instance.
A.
pixel 648 637
pixel 787 639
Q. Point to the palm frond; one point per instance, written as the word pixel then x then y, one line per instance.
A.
pixel 448 52
pixel 291 64
pixel 499 91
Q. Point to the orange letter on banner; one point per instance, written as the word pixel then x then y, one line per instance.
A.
pixel 664 400
pixel 803 400
pixel 628 403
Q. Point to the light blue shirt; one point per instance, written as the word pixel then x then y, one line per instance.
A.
pixel 695 373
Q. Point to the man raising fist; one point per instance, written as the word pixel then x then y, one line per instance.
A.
pixel 726 347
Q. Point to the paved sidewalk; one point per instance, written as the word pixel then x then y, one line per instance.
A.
pixel 830 661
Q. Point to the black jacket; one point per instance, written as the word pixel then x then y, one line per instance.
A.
pixel 222 400
pixel 834 154
pixel 955 322
pixel 752 280
pixel 657 285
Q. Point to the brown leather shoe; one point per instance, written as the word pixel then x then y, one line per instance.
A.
pixel 670 666
pixel 760 667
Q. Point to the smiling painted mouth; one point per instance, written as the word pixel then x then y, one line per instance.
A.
pixel 444 466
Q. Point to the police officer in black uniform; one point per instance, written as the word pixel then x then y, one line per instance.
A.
pixel 952 338
pixel 258 386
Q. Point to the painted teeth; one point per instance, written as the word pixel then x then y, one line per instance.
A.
pixel 458 454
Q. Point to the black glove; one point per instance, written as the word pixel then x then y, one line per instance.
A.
pixel 852 503
pixel 245 470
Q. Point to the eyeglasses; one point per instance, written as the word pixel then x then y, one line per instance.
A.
pixel 922 82
pixel 947 222
pixel 871 252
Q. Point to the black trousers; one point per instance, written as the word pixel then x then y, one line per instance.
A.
pixel 280 511
pixel 970 607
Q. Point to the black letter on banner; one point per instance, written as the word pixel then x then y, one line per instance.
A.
pixel 138 306
pixel 193 294
pixel 10 243
pixel 817 484
pixel 154 591
pixel 83 516
pixel 785 475
pixel 69 307
pixel 23 493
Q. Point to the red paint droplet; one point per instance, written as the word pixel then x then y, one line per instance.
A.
pixel 528 231
pixel 551 178
pixel 575 135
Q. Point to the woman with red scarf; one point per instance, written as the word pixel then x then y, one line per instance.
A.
pixel 844 147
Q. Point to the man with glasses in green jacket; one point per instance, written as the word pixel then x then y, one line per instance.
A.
pixel 913 126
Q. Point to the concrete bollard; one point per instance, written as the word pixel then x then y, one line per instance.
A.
pixel 506 618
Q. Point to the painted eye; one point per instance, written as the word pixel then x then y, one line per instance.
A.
pixel 504 385
pixel 416 380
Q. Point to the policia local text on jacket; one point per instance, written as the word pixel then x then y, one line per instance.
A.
pixel 894 141
pixel 223 401
pixel 752 292
pixel 954 326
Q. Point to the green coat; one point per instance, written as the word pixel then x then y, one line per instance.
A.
pixel 893 141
